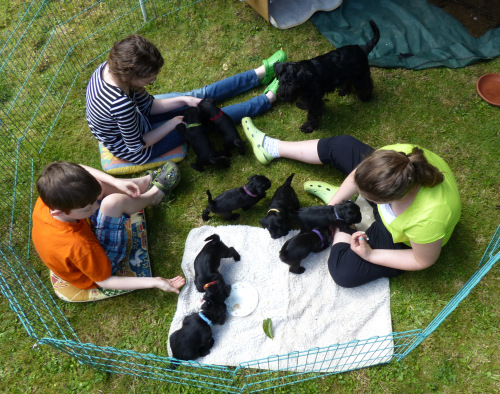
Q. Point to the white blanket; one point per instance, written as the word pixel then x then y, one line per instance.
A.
pixel 307 310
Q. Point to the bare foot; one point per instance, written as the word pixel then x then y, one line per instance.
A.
pixel 171 285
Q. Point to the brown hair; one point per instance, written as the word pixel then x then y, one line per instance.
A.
pixel 66 186
pixel 387 175
pixel 134 58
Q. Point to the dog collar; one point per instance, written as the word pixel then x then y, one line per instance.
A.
pixel 336 214
pixel 207 285
pixel 216 116
pixel 188 126
pixel 320 236
pixel 273 210
pixel 248 192
pixel 205 319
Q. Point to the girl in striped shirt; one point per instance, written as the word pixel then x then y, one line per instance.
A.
pixel 137 127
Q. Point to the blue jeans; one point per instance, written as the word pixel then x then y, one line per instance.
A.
pixel 219 91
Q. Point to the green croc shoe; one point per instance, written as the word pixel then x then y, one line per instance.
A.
pixel 276 57
pixel 256 138
pixel 273 86
pixel 166 178
pixel 323 190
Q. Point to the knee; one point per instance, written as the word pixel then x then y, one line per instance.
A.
pixel 113 204
pixel 343 278
pixel 341 268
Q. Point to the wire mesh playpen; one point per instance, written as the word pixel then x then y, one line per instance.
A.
pixel 41 58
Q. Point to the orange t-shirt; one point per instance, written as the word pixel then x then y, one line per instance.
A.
pixel 70 250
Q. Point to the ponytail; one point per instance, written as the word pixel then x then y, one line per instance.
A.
pixel 387 175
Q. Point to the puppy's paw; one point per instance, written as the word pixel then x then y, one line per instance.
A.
pixel 306 128
pixel 236 255
pixel 297 270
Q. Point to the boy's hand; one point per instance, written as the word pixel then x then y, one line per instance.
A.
pixel 359 245
pixel 192 101
pixel 127 187
pixel 173 285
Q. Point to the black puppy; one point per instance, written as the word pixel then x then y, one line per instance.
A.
pixel 194 339
pixel 207 263
pixel 195 133
pixel 223 124
pixel 243 197
pixel 299 247
pixel 318 216
pixel 284 201
pixel 309 80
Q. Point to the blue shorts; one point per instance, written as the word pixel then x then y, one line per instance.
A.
pixel 112 235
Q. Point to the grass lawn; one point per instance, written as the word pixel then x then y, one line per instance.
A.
pixel 436 108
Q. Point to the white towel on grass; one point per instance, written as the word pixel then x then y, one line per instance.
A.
pixel 307 310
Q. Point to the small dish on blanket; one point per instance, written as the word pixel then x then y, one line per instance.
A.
pixel 243 299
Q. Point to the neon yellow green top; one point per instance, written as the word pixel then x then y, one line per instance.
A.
pixel 434 212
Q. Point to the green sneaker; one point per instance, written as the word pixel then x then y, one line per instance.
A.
pixel 166 178
pixel 256 138
pixel 273 86
pixel 277 57
pixel 322 190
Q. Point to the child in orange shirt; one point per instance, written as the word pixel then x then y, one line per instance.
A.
pixel 87 255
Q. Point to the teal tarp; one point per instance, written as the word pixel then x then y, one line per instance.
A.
pixel 413 34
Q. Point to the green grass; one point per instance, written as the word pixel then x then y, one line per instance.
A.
pixel 437 108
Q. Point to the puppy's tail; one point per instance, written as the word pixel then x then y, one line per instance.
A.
pixel 288 181
pixel 210 201
pixel 368 47
pixel 213 237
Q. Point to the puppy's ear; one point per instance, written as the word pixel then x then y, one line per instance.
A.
pixel 278 68
pixel 251 177
pixel 263 222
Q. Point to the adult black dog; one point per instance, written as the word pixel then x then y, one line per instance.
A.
pixel 319 216
pixel 194 339
pixel 284 201
pixel 299 247
pixel 207 263
pixel 196 134
pixel 223 124
pixel 309 80
pixel 243 197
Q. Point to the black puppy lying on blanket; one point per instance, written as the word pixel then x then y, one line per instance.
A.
pixel 223 124
pixel 309 80
pixel 195 131
pixel 207 263
pixel 284 201
pixel 299 247
pixel 194 339
pixel 243 197
pixel 319 216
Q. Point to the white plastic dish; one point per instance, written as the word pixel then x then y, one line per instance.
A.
pixel 243 299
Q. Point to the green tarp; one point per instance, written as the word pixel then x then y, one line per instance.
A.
pixel 413 34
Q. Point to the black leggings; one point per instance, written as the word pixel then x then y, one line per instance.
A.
pixel 347 269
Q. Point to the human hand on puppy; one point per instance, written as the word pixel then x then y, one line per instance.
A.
pixel 191 101
pixel 359 245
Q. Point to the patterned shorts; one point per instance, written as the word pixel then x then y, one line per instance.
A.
pixel 112 235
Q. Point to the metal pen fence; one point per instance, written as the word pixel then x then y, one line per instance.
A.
pixel 41 58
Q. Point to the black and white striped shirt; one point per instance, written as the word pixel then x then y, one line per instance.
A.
pixel 119 120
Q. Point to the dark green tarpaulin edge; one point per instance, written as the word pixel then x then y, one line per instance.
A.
pixel 413 34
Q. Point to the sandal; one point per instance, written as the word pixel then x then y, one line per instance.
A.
pixel 276 57
pixel 165 178
pixel 256 138
pixel 273 87
pixel 323 190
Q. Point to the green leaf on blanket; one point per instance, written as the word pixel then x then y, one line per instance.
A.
pixel 267 325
